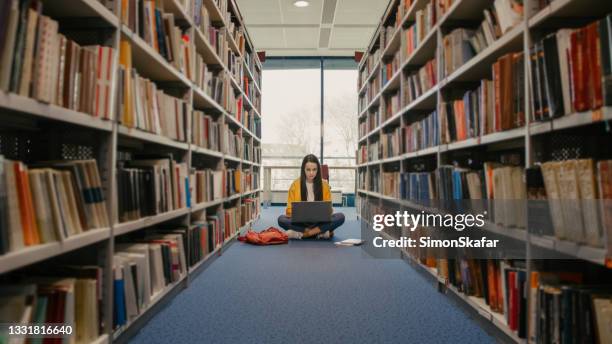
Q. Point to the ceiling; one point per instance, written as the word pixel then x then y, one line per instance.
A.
pixel 324 28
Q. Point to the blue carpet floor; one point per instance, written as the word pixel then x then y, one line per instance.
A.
pixel 310 291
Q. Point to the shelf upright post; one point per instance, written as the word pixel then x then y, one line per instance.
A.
pixel 529 153
pixel 111 188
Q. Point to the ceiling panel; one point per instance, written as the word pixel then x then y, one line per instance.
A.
pixel 260 11
pixel 301 15
pixel 360 11
pixel 302 37
pixel 309 52
pixel 354 37
pixel 267 37
pixel 282 29
pixel 257 5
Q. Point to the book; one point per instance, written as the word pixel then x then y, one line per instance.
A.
pixel 349 242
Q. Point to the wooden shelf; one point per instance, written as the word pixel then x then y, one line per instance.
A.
pixel 149 63
pixel 180 16
pixel 138 134
pixel 13 103
pixel 465 10
pixel 80 9
pixel 250 192
pixel 592 254
pixel 130 226
pixel 571 121
pixel 424 52
pixel 476 303
pixel 560 12
pixel 203 46
pixel 201 206
pixel 480 66
pixel 215 13
pixel 486 139
pixel 231 158
pixel 202 101
pixel 206 151
pixel 23 112
pixel 394 43
pixel 370 76
pixel 251 77
pixel 196 266
pixel 237 123
pixel 155 298
pixel 588 253
pixel 32 254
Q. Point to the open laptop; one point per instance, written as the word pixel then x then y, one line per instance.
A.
pixel 311 212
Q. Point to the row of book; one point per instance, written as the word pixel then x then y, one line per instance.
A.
pixel 571 71
pixel 251 92
pixel 251 152
pixel 502 183
pixel 208 232
pixel 39 62
pixel 496 105
pixel 391 143
pixel 372 89
pixel 576 195
pixel 390 68
pixel 373 120
pixel 579 193
pixel 363 128
pixel 386 33
pixel 462 44
pixel 362 154
pixel 372 59
pixel 147 20
pixel 48 202
pixel 200 12
pixel 145 268
pixel 251 121
pixel 562 306
pixel 205 131
pixel 417 83
pixel 390 183
pixel 453 183
pixel 456 50
pixel 374 151
pixel 498 20
pixel 207 185
pixel 70 295
pixel 250 208
pixel 425 21
pixel 390 105
pixel 141 105
pixel 235 67
pixel 251 61
pixel 151 186
pixel 231 143
pixel 421 134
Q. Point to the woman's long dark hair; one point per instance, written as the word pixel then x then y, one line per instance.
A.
pixel 317 183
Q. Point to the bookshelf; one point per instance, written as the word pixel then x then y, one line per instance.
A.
pixel 527 140
pixel 34 130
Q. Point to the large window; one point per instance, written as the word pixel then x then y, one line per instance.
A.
pixel 340 125
pixel 291 107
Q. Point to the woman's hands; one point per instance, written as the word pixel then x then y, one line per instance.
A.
pixel 310 232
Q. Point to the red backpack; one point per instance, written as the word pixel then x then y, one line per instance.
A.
pixel 270 236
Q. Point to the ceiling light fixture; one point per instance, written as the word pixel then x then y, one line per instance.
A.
pixel 301 3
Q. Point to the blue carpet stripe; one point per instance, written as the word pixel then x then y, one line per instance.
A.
pixel 309 292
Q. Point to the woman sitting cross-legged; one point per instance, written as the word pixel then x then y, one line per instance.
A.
pixel 309 187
